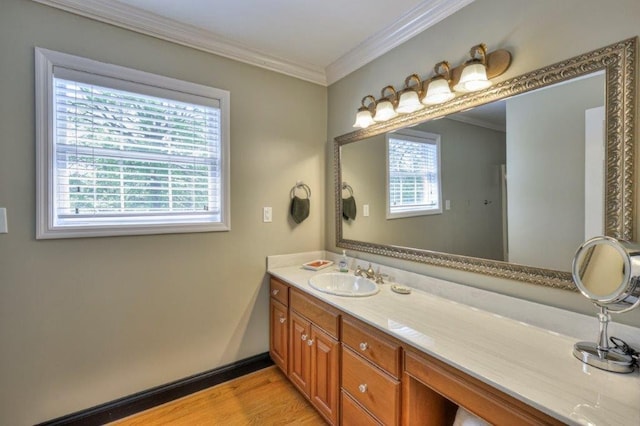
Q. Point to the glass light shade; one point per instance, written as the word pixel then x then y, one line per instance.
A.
pixel 363 119
pixel 384 111
pixel 473 78
pixel 438 92
pixel 409 102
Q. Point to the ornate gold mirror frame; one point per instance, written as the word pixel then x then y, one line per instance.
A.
pixel 619 63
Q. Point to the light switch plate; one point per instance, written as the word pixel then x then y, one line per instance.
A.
pixel 3 221
pixel 365 210
pixel 267 214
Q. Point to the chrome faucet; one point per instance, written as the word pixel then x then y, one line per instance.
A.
pixel 370 274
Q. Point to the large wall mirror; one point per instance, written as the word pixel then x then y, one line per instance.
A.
pixel 525 171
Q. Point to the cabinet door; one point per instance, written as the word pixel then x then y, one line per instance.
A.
pixel 325 356
pixel 278 334
pixel 300 352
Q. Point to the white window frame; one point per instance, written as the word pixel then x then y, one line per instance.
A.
pixel 420 137
pixel 47 225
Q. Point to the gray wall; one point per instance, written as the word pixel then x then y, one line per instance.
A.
pixel 546 169
pixel 471 157
pixel 538 33
pixel 86 321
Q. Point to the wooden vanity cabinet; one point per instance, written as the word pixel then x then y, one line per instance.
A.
pixel 315 352
pixel 279 324
pixel 355 374
pixel 371 371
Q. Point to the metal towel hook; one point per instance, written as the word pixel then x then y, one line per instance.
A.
pixel 302 185
pixel 346 186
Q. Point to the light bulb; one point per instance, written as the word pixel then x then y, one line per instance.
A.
pixel 384 111
pixel 473 78
pixel 438 92
pixel 363 119
pixel 409 102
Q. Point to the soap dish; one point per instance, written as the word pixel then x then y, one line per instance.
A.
pixel 316 265
pixel 400 289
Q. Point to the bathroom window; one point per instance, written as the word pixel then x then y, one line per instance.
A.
pixel 413 174
pixel 124 152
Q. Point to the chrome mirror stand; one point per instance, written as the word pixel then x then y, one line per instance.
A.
pixel 601 355
pixel 607 272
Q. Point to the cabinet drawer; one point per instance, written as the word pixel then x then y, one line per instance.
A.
pixel 321 314
pixel 279 291
pixel 371 387
pixel 370 344
pixel 354 414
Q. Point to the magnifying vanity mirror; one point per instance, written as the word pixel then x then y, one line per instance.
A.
pixel 607 272
pixel 527 170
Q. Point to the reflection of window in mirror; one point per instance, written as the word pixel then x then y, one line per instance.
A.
pixel 413 174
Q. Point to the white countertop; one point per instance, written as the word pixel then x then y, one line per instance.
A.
pixel 530 363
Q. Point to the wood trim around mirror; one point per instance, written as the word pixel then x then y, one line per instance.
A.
pixel 619 63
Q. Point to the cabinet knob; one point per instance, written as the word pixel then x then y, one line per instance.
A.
pixel 275 292
pixel 282 320
pixel 364 346
pixel 363 388
pixel 310 342
pixel 303 337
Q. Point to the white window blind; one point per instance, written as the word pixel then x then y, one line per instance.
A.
pixel 413 175
pixel 121 153
pixel 125 155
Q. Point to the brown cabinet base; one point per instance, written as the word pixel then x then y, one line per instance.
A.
pixel 379 384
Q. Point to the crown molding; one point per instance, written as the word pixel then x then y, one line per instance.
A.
pixel 418 19
pixel 131 18
pixel 412 23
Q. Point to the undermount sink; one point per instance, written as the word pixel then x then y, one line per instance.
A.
pixel 342 284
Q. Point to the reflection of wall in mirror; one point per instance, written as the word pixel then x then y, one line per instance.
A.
pixel 471 157
pixel 545 172
pixel 604 272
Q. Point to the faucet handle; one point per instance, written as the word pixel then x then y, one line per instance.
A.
pixel 370 272
pixel 380 278
pixel 358 272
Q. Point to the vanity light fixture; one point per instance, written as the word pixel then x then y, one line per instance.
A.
pixel 409 100
pixel 438 90
pixel 386 105
pixel 474 73
pixel 364 117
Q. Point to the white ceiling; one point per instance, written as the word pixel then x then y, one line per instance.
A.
pixel 315 40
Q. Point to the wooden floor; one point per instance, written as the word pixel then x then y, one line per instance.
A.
pixel 265 397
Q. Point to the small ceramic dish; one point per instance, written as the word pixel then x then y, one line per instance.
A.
pixel 316 265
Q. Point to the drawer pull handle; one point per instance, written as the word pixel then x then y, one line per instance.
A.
pixel 282 320
pixel 364 346
pixel 362 388
pixel 310 342
pixel 275 292
pixel 303 337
